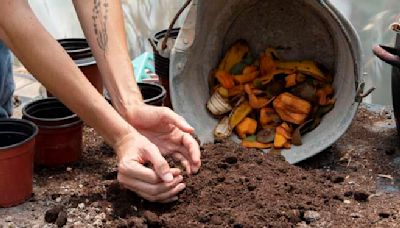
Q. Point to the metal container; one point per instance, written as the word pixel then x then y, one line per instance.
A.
pixel 59 140
pixel 303 29
pixel 17 144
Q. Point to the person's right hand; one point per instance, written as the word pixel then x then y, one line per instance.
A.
pixel 156 183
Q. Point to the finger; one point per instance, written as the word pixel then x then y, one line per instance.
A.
pixel 185 163
pixel 191 145
pixel 135 170
pixel 173 199
pixel 163 196
pixel 176 172
pixel 177 120
pixel 150 189
pixel 161 166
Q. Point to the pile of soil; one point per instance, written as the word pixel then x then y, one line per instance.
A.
pixel 353 183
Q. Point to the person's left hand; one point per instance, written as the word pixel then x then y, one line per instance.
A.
pixel 169 132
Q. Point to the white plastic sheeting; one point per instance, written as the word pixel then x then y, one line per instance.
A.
pixel 143 18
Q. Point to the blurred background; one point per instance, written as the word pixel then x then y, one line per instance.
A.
pixel 371 19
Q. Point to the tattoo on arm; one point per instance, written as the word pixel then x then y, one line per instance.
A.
pixel 100 16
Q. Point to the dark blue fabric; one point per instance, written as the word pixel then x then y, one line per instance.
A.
pixel 6 82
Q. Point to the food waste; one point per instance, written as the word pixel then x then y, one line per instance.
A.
pixel 267 101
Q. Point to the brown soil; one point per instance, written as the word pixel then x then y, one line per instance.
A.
pixel 345 186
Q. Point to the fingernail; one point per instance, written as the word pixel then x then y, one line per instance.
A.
pixel 168 177
pixel 183 186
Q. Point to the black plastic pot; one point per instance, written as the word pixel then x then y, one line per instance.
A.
pixel 59 140
pixel 162 64
pixel 396 89
pixel 153 94
pixel 17 143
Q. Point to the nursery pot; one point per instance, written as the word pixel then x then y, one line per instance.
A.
pixel 162 63
pixel 395 89
pixel 17 144
pixel 153 94
pixel 302 29
pixel 59 140
pixel 80 52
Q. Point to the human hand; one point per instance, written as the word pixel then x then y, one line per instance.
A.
pixel 169 132
pixel 159 183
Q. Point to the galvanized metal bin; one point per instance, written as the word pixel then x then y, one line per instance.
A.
pixel 307 29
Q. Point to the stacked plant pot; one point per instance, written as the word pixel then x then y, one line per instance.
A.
pixel 162 63
pixel 59 140
pixel 79 50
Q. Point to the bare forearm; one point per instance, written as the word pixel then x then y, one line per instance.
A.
pixel 102 22
pixel 50 64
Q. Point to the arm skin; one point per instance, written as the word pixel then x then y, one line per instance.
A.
pixel 50 64
pixel 103 25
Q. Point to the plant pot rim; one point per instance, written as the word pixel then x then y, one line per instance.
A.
pixel 50 120
pixel 154 85
pixel 22 122
pixel 162 32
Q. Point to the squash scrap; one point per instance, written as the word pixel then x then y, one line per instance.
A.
pixel 267 63
pixel 290 80
pixel 323 95
pixel 255 102
pixel 225 79
pixel 275 101
pixel 223 92
pixel 267 78
pixel 244 78
pixel 223 130
pixel 249 69
pixel 239 89
pixel 239 113
pixel 291 108
pixel 268 116
pixel 247 127
pixel 257 145
pixel 283 134
pixel 234 55
pixel 305 67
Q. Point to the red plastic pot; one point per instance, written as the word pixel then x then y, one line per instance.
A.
pixel 79 50
pixel 17 142
pixel 59 140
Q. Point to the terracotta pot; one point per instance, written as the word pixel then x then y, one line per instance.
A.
pixel 79 51
pixel 59 140
pixel 17 142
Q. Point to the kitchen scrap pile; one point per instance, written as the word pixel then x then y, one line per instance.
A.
pixel 269 102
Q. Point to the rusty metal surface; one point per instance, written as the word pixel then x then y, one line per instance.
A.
pixel 305 29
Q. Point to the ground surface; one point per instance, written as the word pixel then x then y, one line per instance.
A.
pixel 354 183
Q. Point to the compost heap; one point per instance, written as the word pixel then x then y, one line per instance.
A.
pixel 269 102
